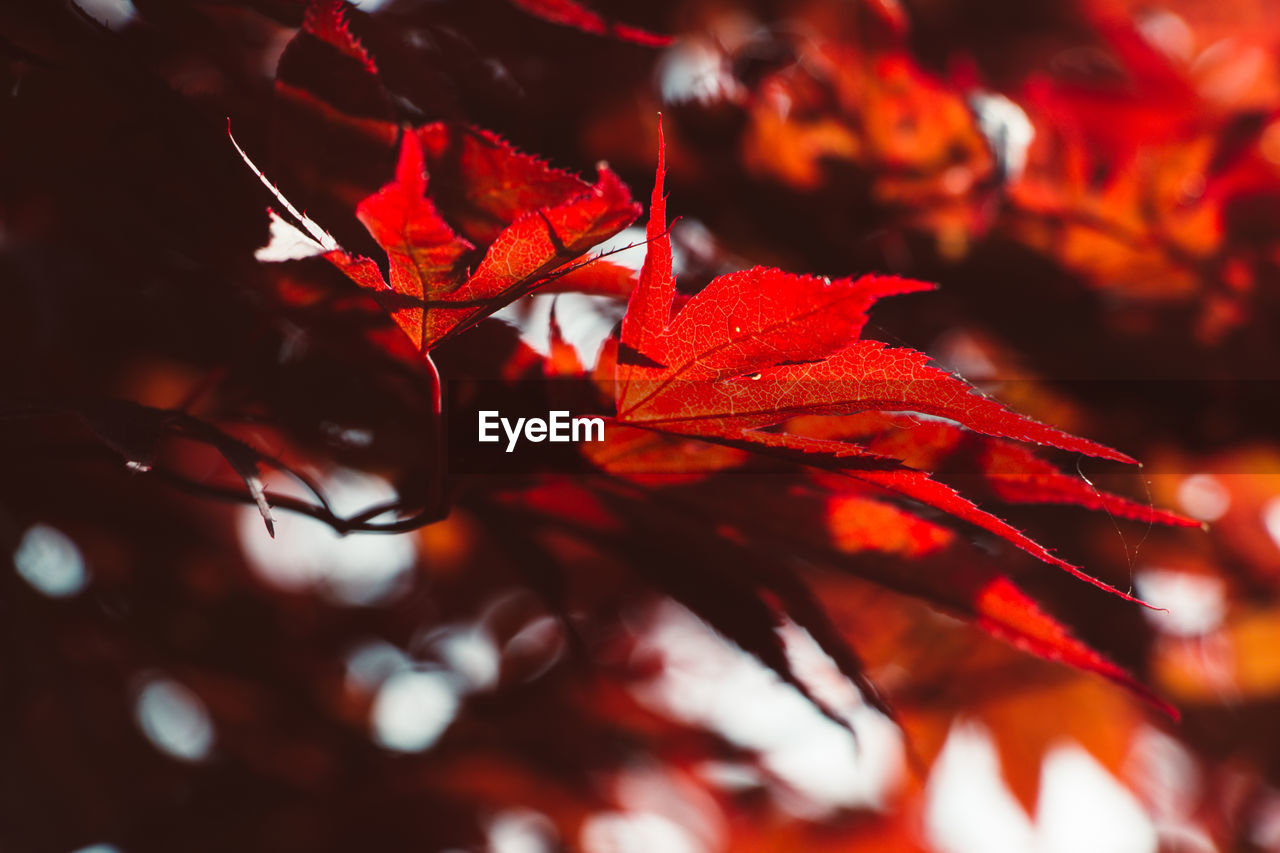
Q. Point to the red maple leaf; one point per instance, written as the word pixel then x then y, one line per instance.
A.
pixel 327 21
pixel 534 219
pixel 757 348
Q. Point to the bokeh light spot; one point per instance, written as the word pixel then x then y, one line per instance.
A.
pixel 174 719
pixel 47 559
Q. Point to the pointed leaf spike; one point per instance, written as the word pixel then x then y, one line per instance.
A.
pixel 326 241
pixel 649 309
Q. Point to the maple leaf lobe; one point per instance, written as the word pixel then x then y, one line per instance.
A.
pixel 756 348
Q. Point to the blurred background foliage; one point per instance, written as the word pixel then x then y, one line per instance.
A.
pixel 1094 183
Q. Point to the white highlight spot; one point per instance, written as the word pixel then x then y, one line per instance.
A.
pixel 349 436
pixel 413 709
pixel 308 555
pixel 628 247
pixel 318 234
pixel 1271 519
pixel 585 321
pixel 968 807
pixel 696 70
pixel 99 848
pixel 1165 774
pixel 47 559
pixel 372 663
pixel 287 242
pixel 1007 129
pixel 1203 497
pixel 1167 33
pixel 471 653
pixel 636 832
pixel 1084 807
pixel 521 831
pixel 113 14
pixel 174 719
pixel 709 682
pixel 1196 604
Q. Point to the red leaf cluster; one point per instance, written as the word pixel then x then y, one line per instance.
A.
pixel 851 497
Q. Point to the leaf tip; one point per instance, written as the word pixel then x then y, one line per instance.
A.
pixel 657 202
pixel 410 168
